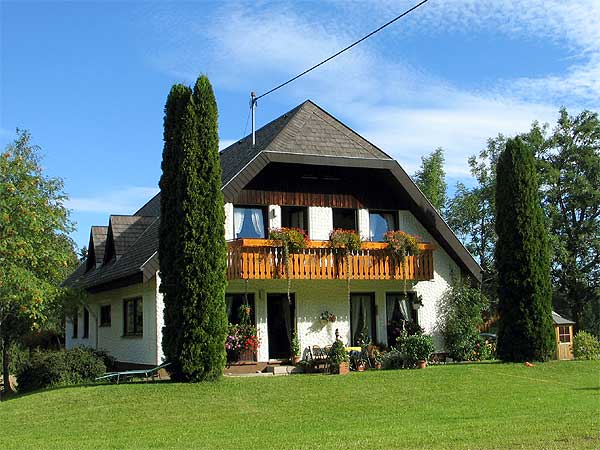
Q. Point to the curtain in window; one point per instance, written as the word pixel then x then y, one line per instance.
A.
pixel 398 304
pixel 361 319
pixel 238 220
pixel 257 222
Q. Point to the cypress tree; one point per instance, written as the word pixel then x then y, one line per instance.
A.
pixel 170 213
pixel 194 277
pixel 525 330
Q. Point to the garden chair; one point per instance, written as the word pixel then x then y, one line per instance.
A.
pixel 127 375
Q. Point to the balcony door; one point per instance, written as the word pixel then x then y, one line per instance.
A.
pixel 280 325
pixel 362 318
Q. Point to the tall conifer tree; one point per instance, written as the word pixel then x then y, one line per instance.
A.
pixel 170 212
pixel 194 238
pixel 525 330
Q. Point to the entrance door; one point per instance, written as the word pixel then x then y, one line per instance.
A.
pixel 280 325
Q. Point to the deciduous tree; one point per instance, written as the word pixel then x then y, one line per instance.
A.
pixel 35 250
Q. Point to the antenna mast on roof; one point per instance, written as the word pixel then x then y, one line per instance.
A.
pixel 253 100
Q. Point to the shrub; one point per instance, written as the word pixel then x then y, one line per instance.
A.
pixel 394 359
pixel 46 369
pixel 460 315
pixel 418 347
pixel 337 354
pixel 586 346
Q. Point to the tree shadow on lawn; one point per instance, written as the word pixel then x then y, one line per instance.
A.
pixel 138 382
pixel 595 388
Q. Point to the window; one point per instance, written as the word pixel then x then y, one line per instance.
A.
pixel 294 217
pixel 344 219
pixel 380 222
pixel 249 222
pixel 86 323
pixel 564 335
pixel 233 302
pixel 362 318
pixel 105 316
pixel 133 316
pixel 400 315
pixel 75 322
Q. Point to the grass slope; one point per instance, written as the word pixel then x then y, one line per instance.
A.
pixel 485 406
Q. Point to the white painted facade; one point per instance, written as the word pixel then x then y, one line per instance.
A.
pixel 311 298
pixel 145 349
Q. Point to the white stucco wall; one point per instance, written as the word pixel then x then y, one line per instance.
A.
pixel 145 349
pixel 274 217
pixel 363 224
pixel 228 221
pixel 320 220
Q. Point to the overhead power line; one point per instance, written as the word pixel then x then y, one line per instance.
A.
pixel 408 11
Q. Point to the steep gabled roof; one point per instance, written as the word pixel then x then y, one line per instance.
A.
pixel 560 320
pixel 123 231
pixel 133 262
pixel 96 246
pixel 305 135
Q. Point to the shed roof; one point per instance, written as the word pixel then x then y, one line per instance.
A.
pixel 560 320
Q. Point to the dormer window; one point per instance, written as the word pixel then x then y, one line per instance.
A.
pixel 380 222
pixel 249 222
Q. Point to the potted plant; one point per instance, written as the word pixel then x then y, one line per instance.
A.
pixel 418 348
pixel 295 349
pixel 338 358
pixel 377 358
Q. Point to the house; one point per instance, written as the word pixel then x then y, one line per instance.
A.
pixel 306 170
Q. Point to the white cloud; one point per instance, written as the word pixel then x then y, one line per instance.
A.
pixel 126 200
pixel 403 109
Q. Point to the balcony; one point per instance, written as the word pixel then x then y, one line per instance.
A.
pixel 259 259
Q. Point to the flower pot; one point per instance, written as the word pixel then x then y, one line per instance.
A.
pixel 421 364
pixel 344 368
pixel 296 360
pixel 378 365
pixel 360 367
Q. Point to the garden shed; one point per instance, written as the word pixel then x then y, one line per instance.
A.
pixel 564 336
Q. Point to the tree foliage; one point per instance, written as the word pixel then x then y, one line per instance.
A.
pixel 525 330
pixel 35 251
pixel 460 314
pixel 431 179
pixel 471 212
pixel 570 164
pixel 192 248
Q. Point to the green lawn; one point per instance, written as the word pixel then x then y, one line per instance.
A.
pixel 483 406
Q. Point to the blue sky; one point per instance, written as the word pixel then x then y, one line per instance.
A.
pixel 89 79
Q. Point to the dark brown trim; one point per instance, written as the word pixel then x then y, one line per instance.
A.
pixel 135 278
pixel 421 207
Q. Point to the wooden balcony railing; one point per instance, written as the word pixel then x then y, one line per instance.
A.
pixel 260 259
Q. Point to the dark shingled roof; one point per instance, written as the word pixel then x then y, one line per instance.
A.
pixel 98 241
pixel 306 135
pixel 131 262
pixel 123 231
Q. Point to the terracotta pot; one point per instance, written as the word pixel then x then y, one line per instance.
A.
pixel 378 366
pixel 360 367
pixel 344 368
pixel 296 360
pixel 422 364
